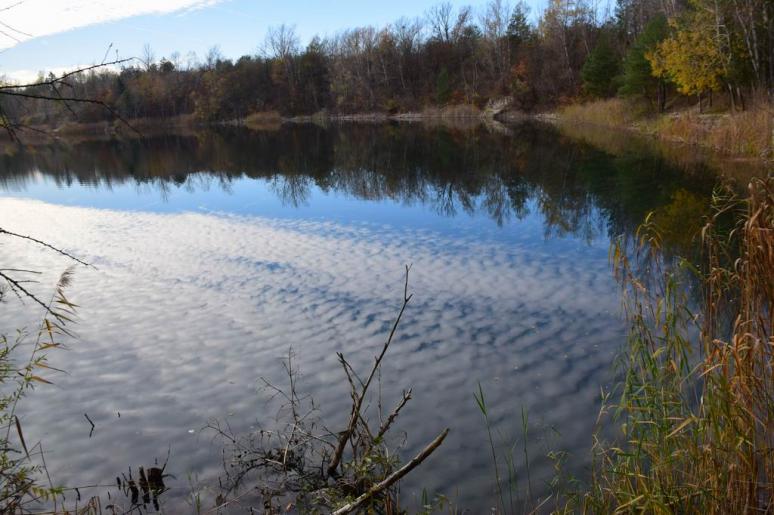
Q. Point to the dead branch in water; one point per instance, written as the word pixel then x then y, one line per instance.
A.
pixel 306 465
pixel 355 416
pixel 395 476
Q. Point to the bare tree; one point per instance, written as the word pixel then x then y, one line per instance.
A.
pixel 439 17
pixel 148 57
pixel 494 22
pixel 191 60
pixel 408 37
pixel 463 22
pixel 212 57
pixel 176 59
pixel 281 42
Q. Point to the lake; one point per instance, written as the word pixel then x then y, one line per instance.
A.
pixel 217 252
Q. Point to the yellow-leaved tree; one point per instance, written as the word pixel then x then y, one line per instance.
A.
pixel 691 57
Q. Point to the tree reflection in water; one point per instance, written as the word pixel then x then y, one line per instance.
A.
pixel 451 171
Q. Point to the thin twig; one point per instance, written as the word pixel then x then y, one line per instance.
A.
pixel 394 414
pixel 47 245
pixel 90 422
pixel 355 415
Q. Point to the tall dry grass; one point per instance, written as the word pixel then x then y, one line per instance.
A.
pixel 614 112
pixel 696 405
pixel 745 134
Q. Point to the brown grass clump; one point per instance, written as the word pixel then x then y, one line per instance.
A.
pixel 614 112
pixel 263 120
pixel 748 133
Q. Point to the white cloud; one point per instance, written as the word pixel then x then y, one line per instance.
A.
pixel 184 312
pixel 27 75
pixel 37 18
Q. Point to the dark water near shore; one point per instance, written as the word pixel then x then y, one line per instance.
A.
pixel 217 252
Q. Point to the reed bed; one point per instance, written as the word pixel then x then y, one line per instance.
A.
pixel 745 134
pixel 696 404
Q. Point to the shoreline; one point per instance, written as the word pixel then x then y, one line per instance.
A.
pixel 458 116
pixel 462 113
pixel 743 136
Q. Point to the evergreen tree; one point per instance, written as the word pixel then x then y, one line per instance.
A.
pixel 600 70
pixel 638 78
pixel 443 89
pixel 519 29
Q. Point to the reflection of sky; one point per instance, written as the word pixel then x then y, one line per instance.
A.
pixel 202 193
pixel 195 298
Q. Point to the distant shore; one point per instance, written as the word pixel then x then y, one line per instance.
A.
pixel 463 113
pixel 747 135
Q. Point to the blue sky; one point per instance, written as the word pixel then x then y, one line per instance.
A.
pixel 68 33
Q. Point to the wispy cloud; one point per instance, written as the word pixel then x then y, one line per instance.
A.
pixel 186 311
pixel 29 19
pixel 29 75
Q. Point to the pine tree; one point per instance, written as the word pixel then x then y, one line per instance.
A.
pixel 638 78
pixel 519 29
pixel 443 89
pixel 600 70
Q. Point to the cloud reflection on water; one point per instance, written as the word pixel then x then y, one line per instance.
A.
pixel 186 311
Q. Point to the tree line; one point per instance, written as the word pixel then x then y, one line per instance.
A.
pixel 651 49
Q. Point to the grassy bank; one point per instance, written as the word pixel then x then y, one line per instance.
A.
pixel 747 134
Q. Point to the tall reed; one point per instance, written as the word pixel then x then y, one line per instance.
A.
pixel 25 485
pixel 696 404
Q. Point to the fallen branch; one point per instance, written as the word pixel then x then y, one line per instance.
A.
pixel 394 477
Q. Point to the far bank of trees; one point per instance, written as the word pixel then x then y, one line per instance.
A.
pixel 652 49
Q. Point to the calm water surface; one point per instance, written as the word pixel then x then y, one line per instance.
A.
pixel 216 253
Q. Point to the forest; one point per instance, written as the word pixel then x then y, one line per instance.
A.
pixel 656 50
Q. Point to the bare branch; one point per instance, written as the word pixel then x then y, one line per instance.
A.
pixel 394 414
pixel 394 477
pixel 355 416
pixel 61 78
pixel 47 245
